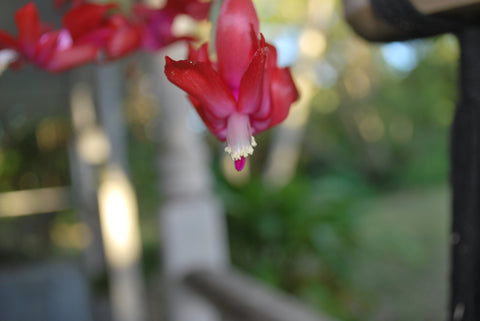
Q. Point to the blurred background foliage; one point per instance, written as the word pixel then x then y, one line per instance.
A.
pixel 360 230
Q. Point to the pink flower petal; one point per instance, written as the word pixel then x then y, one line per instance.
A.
pixel 216 126
pixel 196 9
pixel 157 26
pixel 251 86
pixel 234 43
pixel 200 54
pixel 46 47
pixel 124 38
pixel 7 41
pixel 204 84
pixel 259 125
pixel 70 58
pixel 265 109
pixel 279 96
pixel 284 93
pixel 29 27
pixel 86 18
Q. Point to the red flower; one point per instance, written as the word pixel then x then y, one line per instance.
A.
pixel 245 92
pixel 53 51
pixel 148 28
pixel 196 9
pixel 102 25
pixel 156 26
pixel 157 22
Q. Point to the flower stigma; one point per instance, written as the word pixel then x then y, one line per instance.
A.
pixel 240 142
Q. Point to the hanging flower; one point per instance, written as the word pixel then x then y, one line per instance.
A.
pixel 197 9
pixel 156 26
pixel 245 92
pixel 157 22
pixel 104 26
pixel 51 50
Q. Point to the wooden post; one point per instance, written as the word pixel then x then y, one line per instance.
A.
pixel 99 171
pixel 403 21
pixel 191 218
pixel 84 153
pixel 111 111
pixel 121 238
pixel 465 178
pixel 242 298
pixel 118 205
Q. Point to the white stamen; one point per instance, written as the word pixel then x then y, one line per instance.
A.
pixel 240 141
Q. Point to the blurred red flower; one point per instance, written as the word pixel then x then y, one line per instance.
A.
pixel 52 50
pixel 157 22
pixel 104 26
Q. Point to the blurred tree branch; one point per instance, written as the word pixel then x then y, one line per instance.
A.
pixel 360 15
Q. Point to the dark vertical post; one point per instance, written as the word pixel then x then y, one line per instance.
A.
pixel 465 180
pixel 402 21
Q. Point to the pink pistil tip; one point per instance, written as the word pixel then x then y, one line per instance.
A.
pixel 240 163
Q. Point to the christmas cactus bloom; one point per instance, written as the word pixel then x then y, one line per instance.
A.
pixel 156 26
pixel 157 22
pixel 197 9
pixel 104 26
pixel 245 92
pixel 51 50
pixel 118 35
